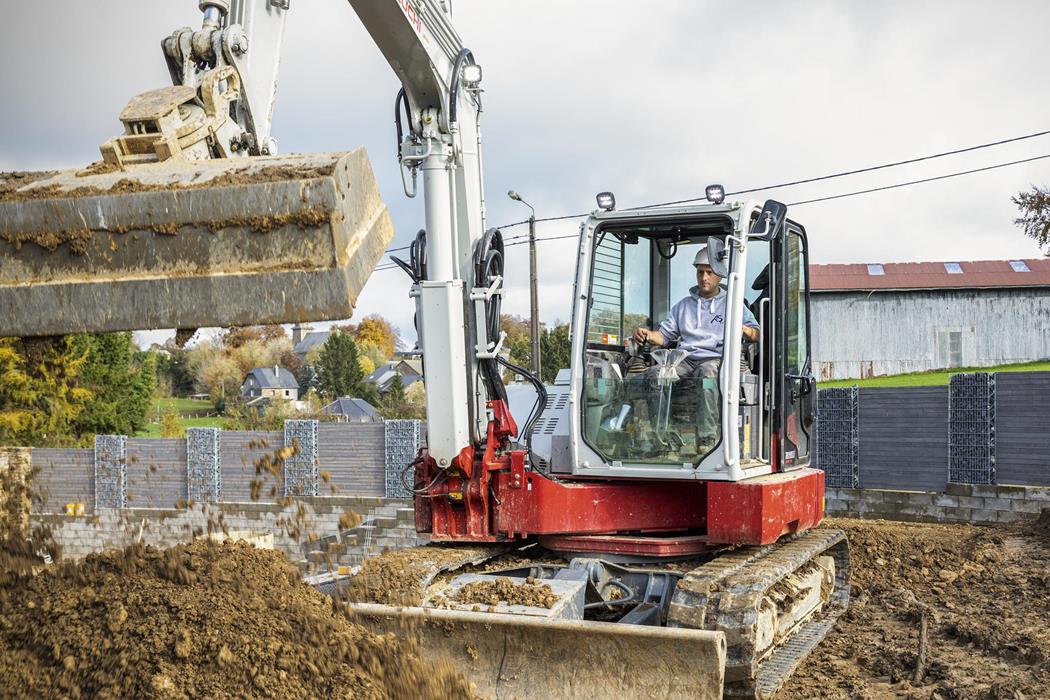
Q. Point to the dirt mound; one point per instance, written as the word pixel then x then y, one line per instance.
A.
pixel 1041 525
pixel 401 577
pixel 983 593
pixel 197 620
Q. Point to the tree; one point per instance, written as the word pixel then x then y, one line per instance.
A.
pixel 1035 215
pixel 554 351
pixel 174 371
pixel 121 380
pixel 379 332
pixel 39 394
pixel 338 369
pixel 171 425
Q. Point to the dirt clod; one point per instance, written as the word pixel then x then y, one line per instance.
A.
pixel 504 590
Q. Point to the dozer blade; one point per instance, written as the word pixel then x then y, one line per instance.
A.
pixel 517 656
pixel 188 244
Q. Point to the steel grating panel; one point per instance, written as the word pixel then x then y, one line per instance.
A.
pixel 111 471
pixel 905 441
pixel 301 473
pixel 203 470
pixel 837 450
pixel 971 428
pixel 352 459
pixel 240 454
pixel 402 440
pixel 156 472
pixel 63 476
pixel 1022 428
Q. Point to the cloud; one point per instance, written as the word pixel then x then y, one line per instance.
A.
pixel 650 100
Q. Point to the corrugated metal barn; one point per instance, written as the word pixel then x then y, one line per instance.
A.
pixel 877 319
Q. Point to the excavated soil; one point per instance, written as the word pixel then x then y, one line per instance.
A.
pixel 198 620
pixel 530 593
pixel 985 595
pixel 402 577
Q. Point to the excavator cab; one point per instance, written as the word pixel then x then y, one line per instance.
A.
pixel 643 413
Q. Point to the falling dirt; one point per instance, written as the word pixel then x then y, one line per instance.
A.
pixel 531 593
pixel 984 591
pixel 197 620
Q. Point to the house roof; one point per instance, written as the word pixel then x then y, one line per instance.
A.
pixel 269 379
pixel 310 341
pixel 354 408
pixel 980 274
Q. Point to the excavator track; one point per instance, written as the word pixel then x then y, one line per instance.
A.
pixel 774 603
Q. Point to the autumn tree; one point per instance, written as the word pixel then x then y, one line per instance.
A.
pixel 39 393
pixel 377 331
pixel 1035 215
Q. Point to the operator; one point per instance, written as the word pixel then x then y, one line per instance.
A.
pixel 697 322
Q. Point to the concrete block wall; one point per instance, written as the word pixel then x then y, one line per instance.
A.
pixel 297 526
pixel 972 503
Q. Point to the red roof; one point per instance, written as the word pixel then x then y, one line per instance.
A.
pixel 930 275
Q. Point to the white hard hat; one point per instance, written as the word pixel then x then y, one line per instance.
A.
pixel 701 257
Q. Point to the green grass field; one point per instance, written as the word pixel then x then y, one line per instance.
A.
pixel 153 429
pixel 935 378
pixel 181 405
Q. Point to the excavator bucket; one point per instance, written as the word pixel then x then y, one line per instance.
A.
pixel 520 657
pixel 188 244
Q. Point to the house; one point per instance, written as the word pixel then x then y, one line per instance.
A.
pixel 270 382
pixel 305 339
pixel 892 318
pixel 410 370
pixel 351 410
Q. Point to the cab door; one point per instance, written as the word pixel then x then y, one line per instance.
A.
pixel 796 383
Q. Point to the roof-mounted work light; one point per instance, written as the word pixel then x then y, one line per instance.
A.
pixel 471 74
pixel 606 201
pixel 716 194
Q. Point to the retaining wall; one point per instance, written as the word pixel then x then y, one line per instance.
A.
pixel 307 530
pixel 973 503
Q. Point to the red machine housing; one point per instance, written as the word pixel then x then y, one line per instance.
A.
pixel 491 497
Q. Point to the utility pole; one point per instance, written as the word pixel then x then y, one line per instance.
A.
pixel 534 304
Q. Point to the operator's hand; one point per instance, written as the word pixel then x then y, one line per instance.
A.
pixel 750 333
pixel 641 335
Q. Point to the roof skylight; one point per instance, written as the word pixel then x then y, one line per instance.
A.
pixel 1019 266
pixel 953 268
pixel 876 269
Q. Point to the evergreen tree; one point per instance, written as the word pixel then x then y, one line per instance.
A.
pixel 554 352
pixel 121 380
pixel 39 393
pixel 339 372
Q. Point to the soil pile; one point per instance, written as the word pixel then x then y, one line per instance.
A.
pixel 197 620
pixel 983 592
pixel 531 593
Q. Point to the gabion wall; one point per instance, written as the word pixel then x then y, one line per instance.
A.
pixel 203 473
pixel 971 428
pixel 837 444
pixel 301 468
pixel 402 439
pixel 111 471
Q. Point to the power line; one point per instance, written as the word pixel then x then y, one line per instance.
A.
pixel 832 176
pixel 860 170
pixel 916 182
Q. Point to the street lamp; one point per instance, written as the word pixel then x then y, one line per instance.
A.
pixel 534 304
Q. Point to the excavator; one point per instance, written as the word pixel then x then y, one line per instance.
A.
pixel 672 565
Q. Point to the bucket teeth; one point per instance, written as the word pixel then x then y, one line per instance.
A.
pixel 182 244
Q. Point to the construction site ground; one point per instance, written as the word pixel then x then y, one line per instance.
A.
pixel 985 593
pixel 229 620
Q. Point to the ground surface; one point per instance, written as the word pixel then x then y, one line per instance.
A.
pixel 936 378
pixel 985 593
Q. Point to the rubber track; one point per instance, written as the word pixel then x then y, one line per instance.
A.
pixel 724 594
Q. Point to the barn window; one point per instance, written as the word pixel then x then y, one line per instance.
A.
pixel 876 269
pixel 1019 266
pixel 953 268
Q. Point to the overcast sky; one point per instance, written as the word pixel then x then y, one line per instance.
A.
pixel 652 100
